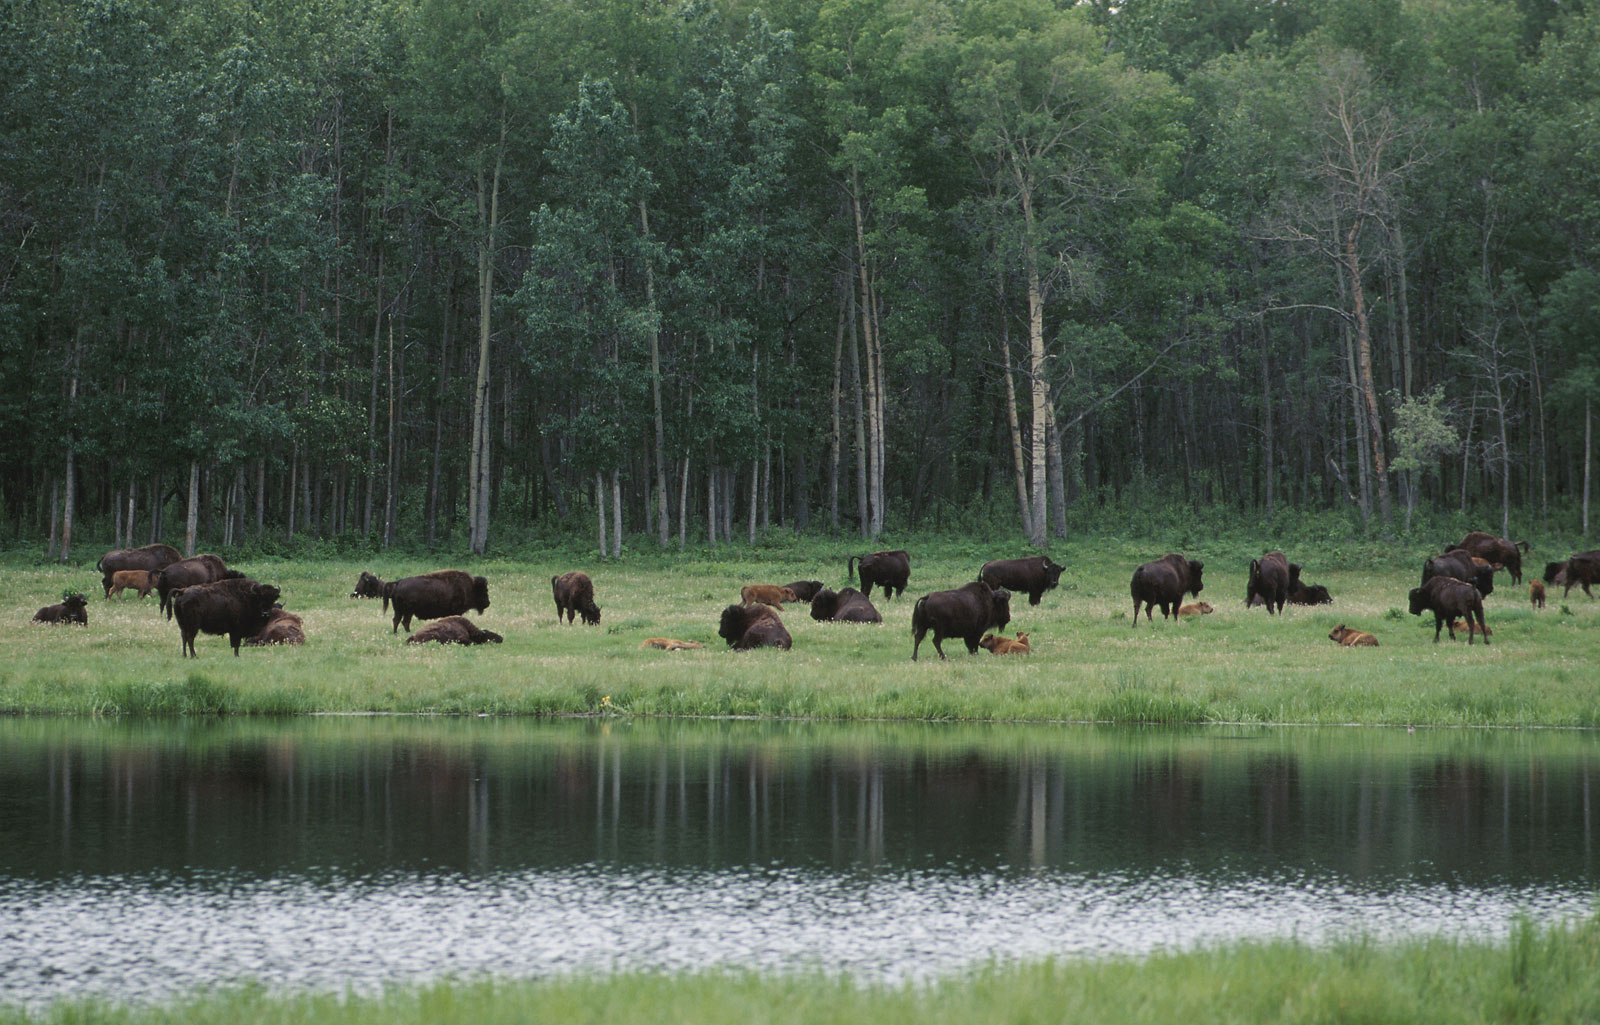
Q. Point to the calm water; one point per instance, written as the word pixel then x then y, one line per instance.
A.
pixel 137 861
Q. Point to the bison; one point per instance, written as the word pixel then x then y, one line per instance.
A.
pixel 1496 550
pixel 767 594
pixel 367 586
pixel 1348 638
pixel 668 644
pixel 967 612
pixel 196 569
pixel 141 580
pixel 1301 593
pixel 237 606
pixel 281 627
pixel 445 592
pixel 997 645
pixel 1460 566
pixel 1536 593
pixel 805 590
pixel 1269 578
pixel 71 609
pixel 889 570
pixel 1199 608
pixel 1582 569
pixel 1035 575
pixel 1163 583
pixel 454 630
pixel 845 606
pixel 1448 598
pixel 1468 626
pixel 150 557
pixel 574 594
pixel 753 626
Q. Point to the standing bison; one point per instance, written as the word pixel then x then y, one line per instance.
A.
pixel 71 609
pixel 142 581
pixel 1448 598
pixel 1034 575
pixel 238 607
pixel 846 606
pixel 753 626
pixel 1461 566
pixel 196 569
pixel 889 570
pixel 445 592
pixel 1582 569
pixel 574 594
pixel 1498 551
pixel 1163 582
pixel 454 630
pixel 150 557
pixel 367 586
pixel 968 612
pixel 1269 579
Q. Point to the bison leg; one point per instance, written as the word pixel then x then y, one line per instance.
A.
pixel 916 641
pixel 972 643
pixel 1482 628
pixel 1135 612
pixel 1034 596
pixel 937 646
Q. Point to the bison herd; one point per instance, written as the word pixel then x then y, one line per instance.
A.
pixel 205 596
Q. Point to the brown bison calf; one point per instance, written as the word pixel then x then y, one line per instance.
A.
pixel 282 627
pixel 71 609
pixel 1349 638
pixel 966 612
pixel 1536 593
pixel 141 580
pixel 1199 608
pixel 574 594
pixel 150 557
pixel 767 594
pixel 445 592
pixel 997 645
pixel 1448 598
pixel 238 607
pixel 753 626
pixel 668 644
pixel 1163 583
pixel 1469 626
pixel 454 630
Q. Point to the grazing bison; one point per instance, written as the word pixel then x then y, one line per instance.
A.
pixel 454 630
pixel 805 590
pixel 444 592
pixel 846 606
pixel 968 612
pixel 889 570
pixel 1497 550
pixel 753 626
pixel 1199 608
pixel 766 594
pixel 1348 638
pixel 1460 566
pixel 1582 569
pixel 1035 575
pixel 149 557
pixel 281 627
pixel 574 594
pixel 1448 598
pixel 1163 583
pixel 1536 593
pixel 237 606
pixel 997 645
pixel 668 644
pixel 1269 578
pixel 367 586
pixel 141 580
pixel 71 609
pixel 196 569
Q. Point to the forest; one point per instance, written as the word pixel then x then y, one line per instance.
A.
pixel 452 274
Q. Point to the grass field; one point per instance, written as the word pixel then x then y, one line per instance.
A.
pixel 1089 662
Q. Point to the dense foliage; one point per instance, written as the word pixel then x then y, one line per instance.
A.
pixel 446 272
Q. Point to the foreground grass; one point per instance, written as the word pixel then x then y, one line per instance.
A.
pixel 1089 663
pixel 1537 975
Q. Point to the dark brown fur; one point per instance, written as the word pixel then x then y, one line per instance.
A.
pixel 1163 582
pixel 196 569
pixel 1034 575
pixel 753 626
pixel 967 612
pixel 1460 565
pixel 367 586
pixel 238 607
pixel 574 594
pixel 890 570
pixel 1269 578
pixel 805 590
pixel 157 556
pixel 71 609
pixel 844 606
pixel 454 630
pixel 444 592
pixel 1497 550
pixel 1581 570
pixel 281 627
pixel 1536 593
pixel 1448 598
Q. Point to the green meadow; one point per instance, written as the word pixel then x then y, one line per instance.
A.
pixel 1089 662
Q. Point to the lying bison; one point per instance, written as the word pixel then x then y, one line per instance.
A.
pixel 1498 551
pixel 1448 598
pixel 1582 569
pixel 805 590
pixel 281 627
pixel 1034 575
pixel 845 606
pixel 454 630
pixel 994 644
pixel 196 569
pixel 1460 565
pixel 150 557
pixel 1301 593
pixel 1163 582
pixel 1199 608
pixel 767 594
pixel 238 607
pixel 889 570
pixel 142 581
pixel 1269 580
pixel 574 594
pixel 968 612
pixel 71 609
pixel 445 592
pixel 1346 637
pixel 367 586
pixel 753 626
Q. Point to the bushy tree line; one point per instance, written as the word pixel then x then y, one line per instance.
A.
pixel 441 271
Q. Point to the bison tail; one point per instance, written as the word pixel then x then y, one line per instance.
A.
pixel 1525 546
pixel 916 614
pixel 850 569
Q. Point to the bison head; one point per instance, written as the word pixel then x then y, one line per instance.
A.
pixel 824 604
pixel 733 624
pixel 1195 585
pixel 480 593
pixel 1002 608
pixel 1052 572
pixel 1419 601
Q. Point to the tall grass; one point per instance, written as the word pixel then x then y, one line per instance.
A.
pixel 1089 662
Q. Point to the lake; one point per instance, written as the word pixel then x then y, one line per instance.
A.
pixel 142 860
